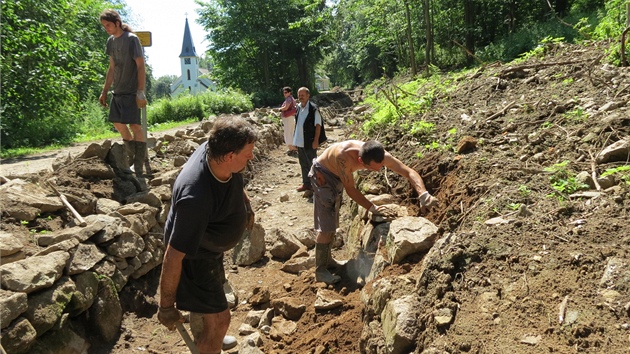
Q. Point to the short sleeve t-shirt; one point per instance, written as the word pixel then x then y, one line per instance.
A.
pixel 207 216
pixel 124 50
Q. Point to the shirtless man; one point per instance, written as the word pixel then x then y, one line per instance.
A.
pixel 331 173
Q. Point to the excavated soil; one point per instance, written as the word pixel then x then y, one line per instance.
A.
pixel 503 283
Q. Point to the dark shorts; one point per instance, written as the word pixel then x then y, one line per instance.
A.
pixel 327 198
pixel 124 109
pixel 201 286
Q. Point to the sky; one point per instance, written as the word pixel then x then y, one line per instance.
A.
pixel 165 19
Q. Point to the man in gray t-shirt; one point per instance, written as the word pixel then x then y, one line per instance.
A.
pixel 127 74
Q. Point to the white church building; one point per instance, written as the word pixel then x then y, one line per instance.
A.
pixel 190 81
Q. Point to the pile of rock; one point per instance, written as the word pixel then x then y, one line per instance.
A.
pixel 61 287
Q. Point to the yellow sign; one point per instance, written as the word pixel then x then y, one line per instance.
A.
pixel 145 38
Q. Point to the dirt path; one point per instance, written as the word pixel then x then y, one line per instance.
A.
pixel 276 178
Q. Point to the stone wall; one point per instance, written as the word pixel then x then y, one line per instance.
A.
pixel 60 289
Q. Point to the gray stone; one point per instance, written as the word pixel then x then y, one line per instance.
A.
pixel 106 206
pixel 19 337
pixel 34 273
pixel 618 151
pixel 410 235
pixel 83 297
pixel 12 305
pixel 105 315
pixel 128 244
pixel 400 326
pixel 289 307
pixel 251 247
pixel 9 244
pixel 284 244
pixel 83 258
pixel 327 300
pixel 46 307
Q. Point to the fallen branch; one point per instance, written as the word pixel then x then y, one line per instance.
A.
pixel 561 238
pixel 594 172
pixel 389 185
pixel 469 52
pixel 501 112
pixel 562 310
pixel 558 17
pixel 539 65
pixel 622 90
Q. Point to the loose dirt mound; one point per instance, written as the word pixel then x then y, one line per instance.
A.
pixel 514 248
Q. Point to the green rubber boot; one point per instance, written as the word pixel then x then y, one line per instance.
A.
pixel 322 257
pixel 141 155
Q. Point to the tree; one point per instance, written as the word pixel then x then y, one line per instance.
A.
pixel 259 46
pixel 162 86
pixel 52 61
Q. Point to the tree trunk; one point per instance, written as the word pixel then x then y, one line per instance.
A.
pixel 266 68
pixel 562 7
pixel 428 50
pixel 412 52
pixel 469 25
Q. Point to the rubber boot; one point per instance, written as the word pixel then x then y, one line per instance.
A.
pixel 141 155
pixel 130 149
pixel 322 256
pixel 122 161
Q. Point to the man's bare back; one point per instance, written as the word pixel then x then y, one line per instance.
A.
pixel 342 158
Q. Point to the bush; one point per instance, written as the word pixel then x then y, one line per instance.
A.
pixel 185 107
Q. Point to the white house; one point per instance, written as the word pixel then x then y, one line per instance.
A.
pixel 190 80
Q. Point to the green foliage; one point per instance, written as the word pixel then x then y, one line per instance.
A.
pixel 514 206
pixel 422 128
pixel 621 172
pixel 52 60
pixel 260 46
pixel 541 49
pixel 161 87
pixel 577 115
pixel 612 20
pixel 546 125
pixel 523 191
pixel 563 180
pixel 398 104
pixel 198 107
pixel 94 121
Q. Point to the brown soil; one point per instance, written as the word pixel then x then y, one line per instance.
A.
pixel 503 283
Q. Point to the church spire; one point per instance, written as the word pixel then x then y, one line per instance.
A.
pixel 188 48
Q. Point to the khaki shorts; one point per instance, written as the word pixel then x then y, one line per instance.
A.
pixel 327 197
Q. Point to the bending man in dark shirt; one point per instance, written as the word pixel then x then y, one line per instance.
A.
pixel 208 215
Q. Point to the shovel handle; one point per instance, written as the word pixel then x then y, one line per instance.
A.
pixel 186 337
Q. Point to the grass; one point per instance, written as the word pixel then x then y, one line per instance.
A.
pixel 25 151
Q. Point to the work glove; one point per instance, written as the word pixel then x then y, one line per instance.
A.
pixel 427 200
pixel 376 210
pixel 169 316
pixel 141 99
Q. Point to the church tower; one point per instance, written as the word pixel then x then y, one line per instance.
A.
pixel 189 81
